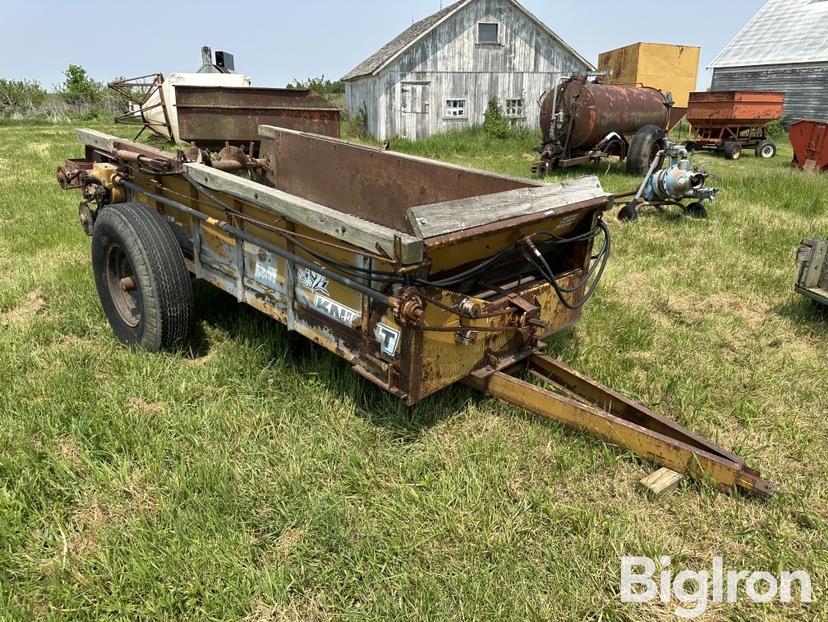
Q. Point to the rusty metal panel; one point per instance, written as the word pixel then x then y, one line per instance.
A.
pixel 730 108
pixel 209 116
pixel 810 144
pixel 378 186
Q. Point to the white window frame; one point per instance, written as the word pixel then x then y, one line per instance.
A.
pixel 492 23
pixel 451 112
pixel 521 114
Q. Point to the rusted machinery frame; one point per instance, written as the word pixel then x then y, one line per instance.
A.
pixel 619 421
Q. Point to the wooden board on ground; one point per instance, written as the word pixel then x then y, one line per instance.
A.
pixel 661 482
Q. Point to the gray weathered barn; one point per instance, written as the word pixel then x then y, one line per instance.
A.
pixel 440 74
pixel 783 48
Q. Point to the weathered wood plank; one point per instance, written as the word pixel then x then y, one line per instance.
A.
pixel 94 138
pixel 361 233
pixel 816 263
pixel 430 221
pixel 661 482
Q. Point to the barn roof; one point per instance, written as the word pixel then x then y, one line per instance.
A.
pixel 782 32
pixel 397 46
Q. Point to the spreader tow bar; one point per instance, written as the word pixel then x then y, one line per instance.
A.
pixel 602 412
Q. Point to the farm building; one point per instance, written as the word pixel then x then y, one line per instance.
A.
pixel 783 48
pixel 440 74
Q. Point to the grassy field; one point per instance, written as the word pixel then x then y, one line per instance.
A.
pixel 246 480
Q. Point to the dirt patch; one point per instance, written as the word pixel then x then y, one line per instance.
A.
pixel 67 449
pixel 89 520
pixel 26 311
pixel 287 542
pixel 151 409
pixel 292 611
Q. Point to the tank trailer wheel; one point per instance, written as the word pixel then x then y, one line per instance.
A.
pixel 733 150
pixel 696 210
pixel 647 143
pixel 766 149
pixel 142 282
pixel 628 213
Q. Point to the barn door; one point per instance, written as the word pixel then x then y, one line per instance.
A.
pixel 415 107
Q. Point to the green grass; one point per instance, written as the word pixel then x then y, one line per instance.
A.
pixel 253 479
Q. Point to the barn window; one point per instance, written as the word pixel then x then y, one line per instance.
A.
pixel 455 108
pixel 514 108
pixel 488 33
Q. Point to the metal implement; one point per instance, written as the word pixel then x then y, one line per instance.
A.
pixel 216 107
pixel 585 121
pixel 813 272
pixel 604 413
pixel 810 144
pixel 419 274
pixel 732 121
pixel 678 182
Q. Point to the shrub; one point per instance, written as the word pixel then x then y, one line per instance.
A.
pixel 320 86
pixel 776 129
pixel 20 94
pixel 496 125
pixel 359 124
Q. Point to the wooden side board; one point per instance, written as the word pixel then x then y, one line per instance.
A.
pixel 350 229
pixel 429 221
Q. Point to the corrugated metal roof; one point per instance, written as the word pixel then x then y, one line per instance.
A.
pixel 782 32
pixel 384 55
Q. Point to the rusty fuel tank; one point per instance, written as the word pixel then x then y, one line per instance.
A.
pixel 590 111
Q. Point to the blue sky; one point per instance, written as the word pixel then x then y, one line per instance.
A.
pixel 277 41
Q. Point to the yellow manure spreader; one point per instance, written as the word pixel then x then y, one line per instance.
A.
pixel 419 274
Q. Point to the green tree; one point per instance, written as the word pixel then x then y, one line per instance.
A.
pixel 79 88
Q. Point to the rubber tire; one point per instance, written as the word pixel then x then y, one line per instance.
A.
pixel 696 210
pixel 648 139
pixel 733 150
pixel 628 213
pixel 761 147
pixel 163 286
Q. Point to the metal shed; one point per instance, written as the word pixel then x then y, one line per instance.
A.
pixel 783 48
pixel 440 74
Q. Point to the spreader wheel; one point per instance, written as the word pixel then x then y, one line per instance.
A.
pixel 143 284
pixel 733 150
pixel 628 213
pixel 766 149
pixel 696 210
pixel 648 141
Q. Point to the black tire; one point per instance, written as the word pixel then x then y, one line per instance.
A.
pixel 696 210
pixel 647 143
pixel 628 213
pixel 155 310
pixel 733 150
pixel 766 149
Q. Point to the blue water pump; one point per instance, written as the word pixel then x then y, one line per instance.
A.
pixel 678 182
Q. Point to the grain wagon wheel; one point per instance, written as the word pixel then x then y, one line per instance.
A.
pixel 142 282
pixel 733 150
pixel 766 149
